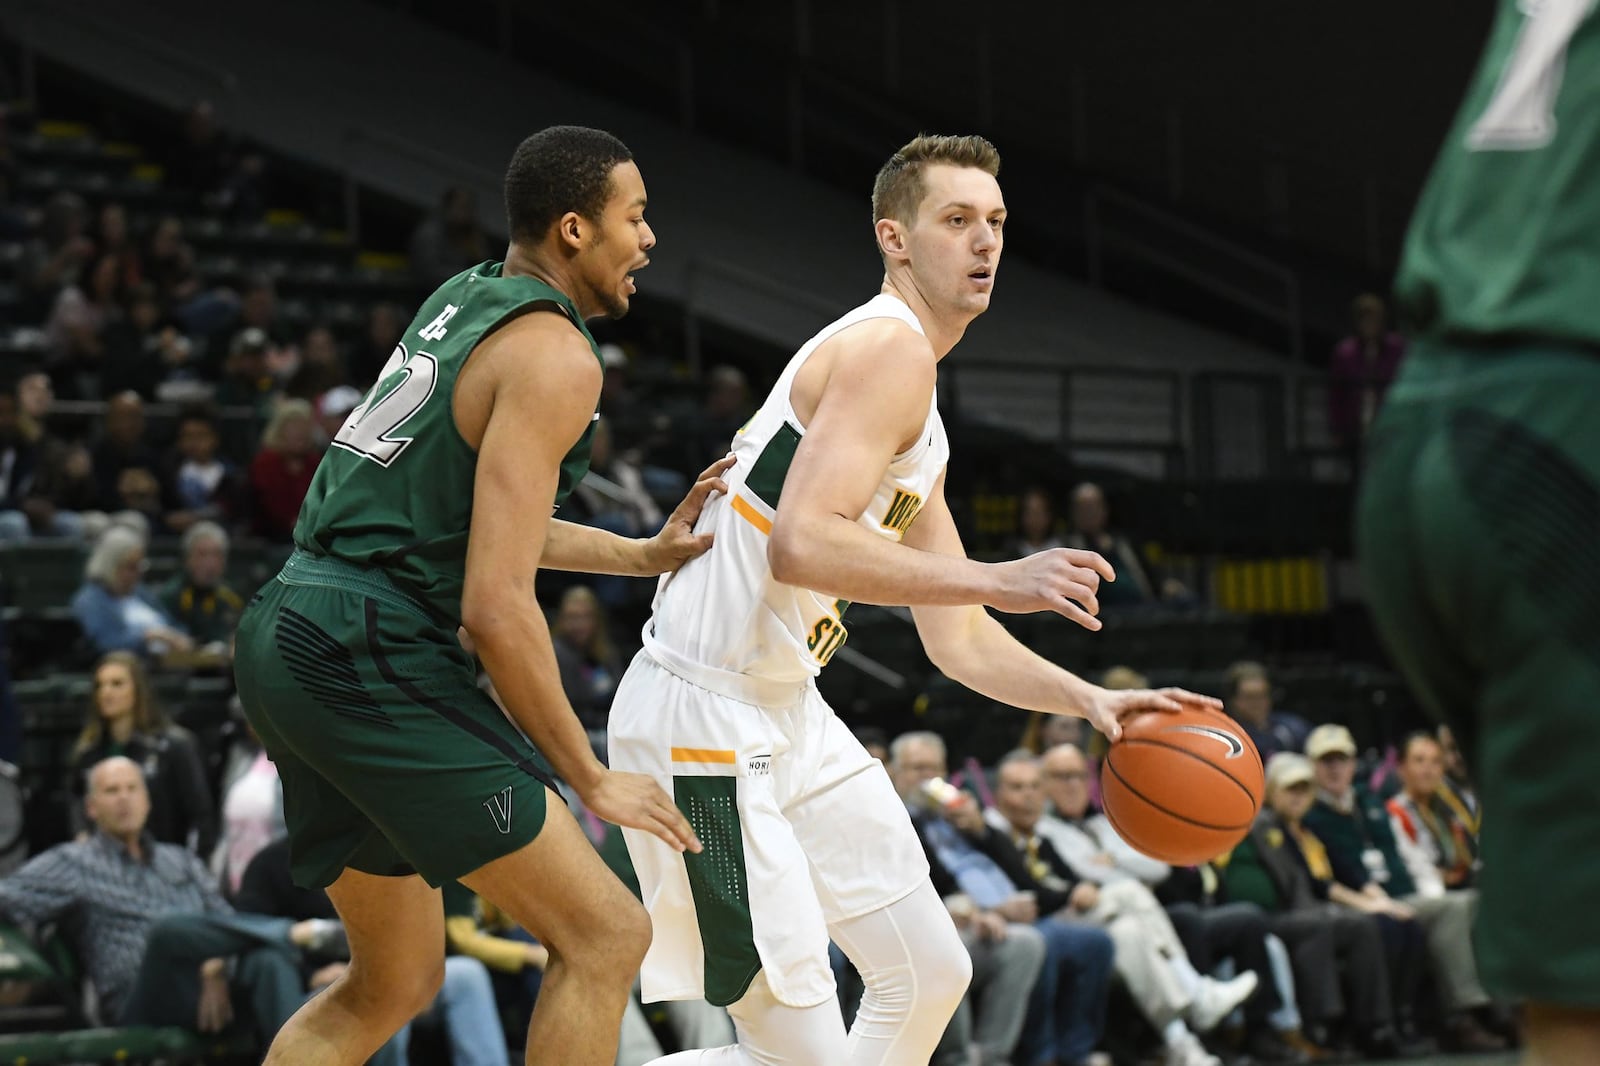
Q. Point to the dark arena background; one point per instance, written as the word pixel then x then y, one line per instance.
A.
pixel 216 220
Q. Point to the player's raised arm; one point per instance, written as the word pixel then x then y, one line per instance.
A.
pixel 872 406
pixel 970 647
pixel 541 404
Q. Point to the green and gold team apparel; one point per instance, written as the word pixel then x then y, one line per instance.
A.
pixel 347 662
pixel 1479 520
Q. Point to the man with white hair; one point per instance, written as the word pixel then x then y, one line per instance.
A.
pixel 115 609
pixel 197 599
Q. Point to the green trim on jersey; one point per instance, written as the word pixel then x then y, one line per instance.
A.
pixel 772 465
pixel 1505 241
pixel 394 492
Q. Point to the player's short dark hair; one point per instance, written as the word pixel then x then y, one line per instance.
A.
pixel 559 169
pixel 899 188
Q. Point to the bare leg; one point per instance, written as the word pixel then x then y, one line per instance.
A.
pixel 1560 1036
pixel 396 931
pixel 558 889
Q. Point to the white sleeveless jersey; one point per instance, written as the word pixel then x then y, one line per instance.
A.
pixel 724 609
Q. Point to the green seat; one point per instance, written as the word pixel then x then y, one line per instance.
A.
pixel 20 960
pixel 32 1049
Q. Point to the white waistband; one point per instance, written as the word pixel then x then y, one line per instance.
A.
pixel 759 691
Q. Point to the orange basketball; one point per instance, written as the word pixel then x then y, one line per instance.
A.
pixel 1184 787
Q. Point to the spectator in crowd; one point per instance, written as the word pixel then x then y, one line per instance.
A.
pixel 143 348
pixel 196 598
pixel 627 507
pixel 1095 852
pixel 1091 532
pixel 465 1000
pixel 59 254
pixel 1173 996
pixel 386 323
pixel 449 240
pixel 124 719
pixel 1361 847
pixel 1046 731
pixel 1361 370
pixel 19 467
pixel 115 609
pixel 588 659
pixel 1283 868
pixel 996 922
pixel 252 818
pixel 198 484
pixel 333 410
pixel 246 379
pixel 1456 787
pixel 258 310
pixel 1439 849
pixel 321 366
pixel 1249 702
pixel 76 329
pixel 139 494
pixel 281 472
pixel 618 398
pixel 1036 525
pixel 169 266
pixel 63 487
pixel 113 239
pixel 147 923
pixel 122 446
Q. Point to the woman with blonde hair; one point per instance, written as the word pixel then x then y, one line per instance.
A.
pixel 115 609
pixel 280 474
pixel 124 719
pixel 589 663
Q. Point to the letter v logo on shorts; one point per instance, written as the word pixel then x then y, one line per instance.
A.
pixel 499 807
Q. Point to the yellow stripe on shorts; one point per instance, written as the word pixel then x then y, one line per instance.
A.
pixel 712 755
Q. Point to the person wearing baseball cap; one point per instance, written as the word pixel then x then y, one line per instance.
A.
pixel 1354 827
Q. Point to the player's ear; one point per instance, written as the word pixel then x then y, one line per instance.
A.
pixel 570 228
pixel 891 238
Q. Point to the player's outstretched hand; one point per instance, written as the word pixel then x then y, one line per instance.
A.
pixel 1110 708
pixel 677 542
pixel 636 801
pixel 1063 580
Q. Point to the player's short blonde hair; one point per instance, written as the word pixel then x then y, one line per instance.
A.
pixel 899 188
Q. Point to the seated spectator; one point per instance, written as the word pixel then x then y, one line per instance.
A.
pixel 1355 828
pixel 143 347
pixel 196 599
pixel 626 508
pixel 1439 849
pixel 1036 525
pixel 1090 532
pixel 1284 869
pixel 147 923
pixel 465 1000
pixel 320 367
pixel 281 472
pixel 449 240
pixel 1249 702
pixel 19 467
pixel 252 814
pixel 1173 996
pixel 139 494
pixel 1456 787
pixel 169 266
pixel 122 446
pixel 63 498
pixel 76 329
pixel 115 609
pixel 113 239
pixel 1045 1011
pixel 1363 366
pixel 58 255
pixel 124 719
pixel 1095 852
pixel 247 382
pixel 198 484
pixel 588 660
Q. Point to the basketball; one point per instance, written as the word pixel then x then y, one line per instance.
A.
pixel 1184 787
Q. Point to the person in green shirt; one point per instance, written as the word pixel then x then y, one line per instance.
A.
pixel 1478 526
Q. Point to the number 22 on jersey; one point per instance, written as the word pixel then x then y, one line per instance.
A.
pixel 1521 115
pixel 372 430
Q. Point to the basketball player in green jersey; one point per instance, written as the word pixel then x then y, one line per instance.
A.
pixel 432 510
pixel 1479 523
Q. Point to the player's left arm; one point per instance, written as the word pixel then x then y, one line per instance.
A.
pixel 969 646
pixel 570 546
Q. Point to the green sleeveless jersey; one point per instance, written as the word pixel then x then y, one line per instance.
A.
pixel 1505 241
pixel 394 490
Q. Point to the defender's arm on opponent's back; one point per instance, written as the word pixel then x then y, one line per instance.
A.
pixel 970 646
pixel 531 413
pixel 864 398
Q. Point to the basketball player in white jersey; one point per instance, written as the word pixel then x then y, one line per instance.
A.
pixel 837 495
